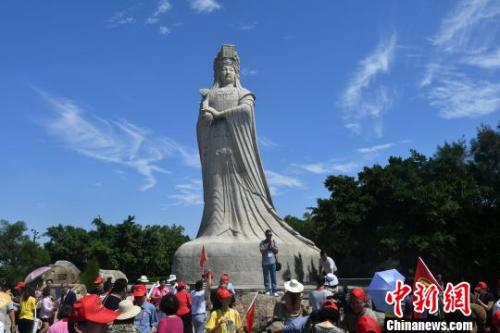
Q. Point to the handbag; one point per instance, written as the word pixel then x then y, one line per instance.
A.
pixel 278 264
pixel 37 323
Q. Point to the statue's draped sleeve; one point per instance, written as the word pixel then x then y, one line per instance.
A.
pixel 242 128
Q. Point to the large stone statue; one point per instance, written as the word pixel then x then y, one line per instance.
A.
pixel 238 205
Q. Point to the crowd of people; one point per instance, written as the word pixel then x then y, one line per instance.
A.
pixel 171 306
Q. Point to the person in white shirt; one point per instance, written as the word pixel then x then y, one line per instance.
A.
pixel 172 284
pixel 199 298
pixel 326 264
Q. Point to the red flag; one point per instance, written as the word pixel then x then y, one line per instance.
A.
pixel 203 258
pixel 250 314
pixel 424 275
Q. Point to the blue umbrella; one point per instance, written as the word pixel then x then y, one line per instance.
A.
pixel 381 283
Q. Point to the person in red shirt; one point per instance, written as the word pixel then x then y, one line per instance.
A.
pixel 184 311
pixel 367 324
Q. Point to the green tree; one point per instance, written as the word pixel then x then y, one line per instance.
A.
pixel 126 246
pixel 68 243
pixel 443 208
pixel 90 273
pixel 19 255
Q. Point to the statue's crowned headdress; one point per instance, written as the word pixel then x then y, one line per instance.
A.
pixel 227 56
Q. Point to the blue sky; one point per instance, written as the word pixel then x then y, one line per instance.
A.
pixel 99 99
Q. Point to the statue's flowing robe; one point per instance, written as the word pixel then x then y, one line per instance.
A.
pixel 237 198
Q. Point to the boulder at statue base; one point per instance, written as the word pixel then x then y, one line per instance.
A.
pixel 242 260
pixel 63 272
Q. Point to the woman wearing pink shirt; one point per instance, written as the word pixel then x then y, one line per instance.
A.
pixel 61 326
pixel 159 292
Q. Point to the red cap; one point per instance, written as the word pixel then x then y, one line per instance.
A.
pixel 481 285
pixel 367 324
pixel 181 285
pixel 20 285
pixel 223 293
pixel 90 308
pixel 139 290
pixel 358 293
pixel 99 280
pixel 330 305
pixel 496 318
pixel 224 277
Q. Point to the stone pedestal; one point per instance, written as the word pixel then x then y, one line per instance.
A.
pixel 241 259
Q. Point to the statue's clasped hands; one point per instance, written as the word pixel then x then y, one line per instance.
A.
pixel 212 111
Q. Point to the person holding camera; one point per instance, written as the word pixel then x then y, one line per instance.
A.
pixel 269 249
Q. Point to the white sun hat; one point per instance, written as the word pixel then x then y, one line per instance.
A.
pixel 127 310
pixel 294 286
pixel 143 279
pixel 171 277
pixel 331 280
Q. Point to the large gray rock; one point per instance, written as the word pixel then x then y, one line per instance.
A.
pixel 238 205
pixel 242 261
pixel 63 272
pixel 113 274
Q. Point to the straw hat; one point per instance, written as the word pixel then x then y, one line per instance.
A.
pixel 4 299
pixel 127 310
pixel 294 286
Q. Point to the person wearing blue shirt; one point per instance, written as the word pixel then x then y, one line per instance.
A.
pixel 295 321
pixel 147 320
pixel 269 249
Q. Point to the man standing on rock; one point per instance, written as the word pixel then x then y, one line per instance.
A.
pixel 268 249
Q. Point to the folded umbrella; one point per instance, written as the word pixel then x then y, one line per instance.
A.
pixel 381 283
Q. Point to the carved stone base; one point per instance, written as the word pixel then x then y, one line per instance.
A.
pixel 241 259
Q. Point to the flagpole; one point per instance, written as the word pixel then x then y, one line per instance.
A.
pixel 252 304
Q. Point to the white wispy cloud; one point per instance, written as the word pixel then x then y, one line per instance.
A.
pixel 162 7
pixel 328 167
pixel 249 26
pixel 120 18
pixel 266 142
pixel 248 72
pixel 164 30
pixel 464 97
pixel 468 26
pixel 486 60
pixel 205 6
pixel 374 149
pixel 188 194
pixel 467 36
pixel 119 142
pixel 364 99
pixel 277 181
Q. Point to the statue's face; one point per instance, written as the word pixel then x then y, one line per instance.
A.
pixel 228 75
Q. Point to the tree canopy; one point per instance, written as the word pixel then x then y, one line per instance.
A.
pixel 19 254
pixel 444 208
pixel 127 246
